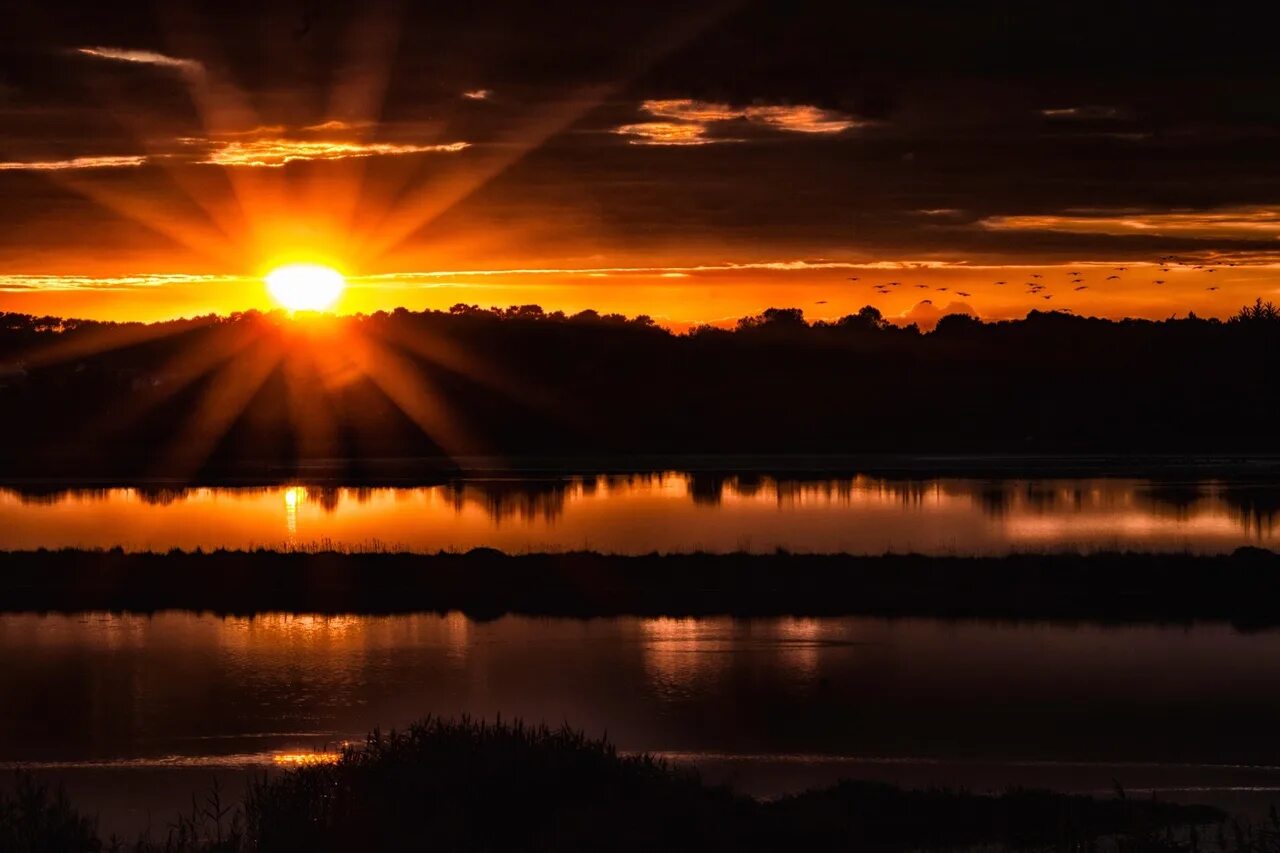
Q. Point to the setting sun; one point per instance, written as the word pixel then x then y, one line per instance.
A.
pixel 305 287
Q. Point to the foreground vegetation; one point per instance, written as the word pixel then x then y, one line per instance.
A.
pixel 470 786
pixel 1241 587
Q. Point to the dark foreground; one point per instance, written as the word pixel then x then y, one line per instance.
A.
pixel 1241 587
pixel 467 785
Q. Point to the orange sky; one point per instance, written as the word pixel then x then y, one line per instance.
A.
pixel 683 296
pixel 156 166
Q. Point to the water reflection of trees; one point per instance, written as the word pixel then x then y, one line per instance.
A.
pixel 526 500
pixel 38 496
pixel 1255 507
pixel 710 488
pixel 1177 499
pixel 538 500
pixel 167 495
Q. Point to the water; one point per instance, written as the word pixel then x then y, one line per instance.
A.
pixel 135 712
pixel 663 512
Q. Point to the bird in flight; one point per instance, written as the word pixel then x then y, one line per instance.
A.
pixel 1121 269
pixel 962 293
pixel 1158 281
pixel 853 278
pixel 1036 275
pixel 1048 296
pixel 1211 288
pixel 1113 278
pixel 925 286
pixel 999 282
pixel 1083 287
pixel 821 302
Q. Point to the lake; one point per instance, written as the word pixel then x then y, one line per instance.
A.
pixel 135 712
pixel 664 512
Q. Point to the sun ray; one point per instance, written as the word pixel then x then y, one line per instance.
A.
pixel 105 338
pixel 424 204
pixel 306 366
pixel 204 238
pixel 357 100
pixel 220 208
pixel 472 365
pixel 192 362
pixel 405 385
pixel 229 392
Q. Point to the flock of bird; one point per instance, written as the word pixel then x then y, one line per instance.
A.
pixel 1038 287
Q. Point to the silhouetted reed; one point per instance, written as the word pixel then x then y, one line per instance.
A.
pixel 470 785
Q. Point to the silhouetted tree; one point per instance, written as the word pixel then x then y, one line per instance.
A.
pixel 88 397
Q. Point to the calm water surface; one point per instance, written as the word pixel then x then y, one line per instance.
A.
pixel 663 512
pixel 134 712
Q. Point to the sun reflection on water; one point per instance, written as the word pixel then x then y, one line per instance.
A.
pixel 304 759
pixel 292 497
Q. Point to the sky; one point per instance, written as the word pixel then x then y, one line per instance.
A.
pixel 693 162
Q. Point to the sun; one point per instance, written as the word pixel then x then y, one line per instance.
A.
pixel 305 287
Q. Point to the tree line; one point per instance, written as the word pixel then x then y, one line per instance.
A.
pixel 265 389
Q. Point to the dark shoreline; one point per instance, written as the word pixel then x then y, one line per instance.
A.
pixel 430 471
pixel 1241 588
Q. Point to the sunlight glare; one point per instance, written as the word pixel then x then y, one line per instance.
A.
pixel 305 287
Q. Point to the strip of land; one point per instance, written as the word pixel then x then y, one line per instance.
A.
pixel 1241 588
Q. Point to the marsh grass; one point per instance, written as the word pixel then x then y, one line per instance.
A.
pixel 472 785
pixel 1107 587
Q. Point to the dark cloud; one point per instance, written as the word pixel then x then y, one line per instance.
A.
pixel 885 128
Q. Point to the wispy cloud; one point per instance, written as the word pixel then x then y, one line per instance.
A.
pixel 143 57
pixel 1087 112
pixel 687 109
pixel 1241 223
pixel 20 283
pixel 671 271
pixel 73 163
pixel 666 133
pixel 336 124
pixel 686 121
pixel 478 94
pixel 276 152
pixel 801 119
pixel 260 130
